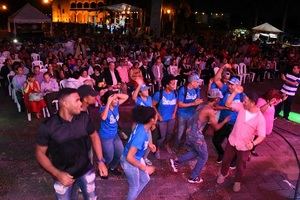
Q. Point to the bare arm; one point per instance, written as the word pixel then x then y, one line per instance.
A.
pixel 258 140
pixel 230 99
pixel 218 77
pixel 136 93
pixel 132 160
pixel 96 143
pixel 43 160
pixel 122 98
pixel 214 123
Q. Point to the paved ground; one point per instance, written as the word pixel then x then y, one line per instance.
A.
pixel 22 178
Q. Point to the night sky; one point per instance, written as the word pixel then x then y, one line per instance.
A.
pixel 242 12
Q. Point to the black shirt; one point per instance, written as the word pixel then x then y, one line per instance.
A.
pixel 68 143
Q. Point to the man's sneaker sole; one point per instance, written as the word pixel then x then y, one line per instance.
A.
pixel 197 181
pixel 172 162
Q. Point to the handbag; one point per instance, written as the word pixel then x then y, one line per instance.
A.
pixel 35 96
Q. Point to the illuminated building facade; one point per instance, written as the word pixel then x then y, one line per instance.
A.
pixel 78 11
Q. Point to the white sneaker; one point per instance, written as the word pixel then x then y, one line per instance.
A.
pixel 236 186
pixel 221 178
pixel 173 165
pixel 148 162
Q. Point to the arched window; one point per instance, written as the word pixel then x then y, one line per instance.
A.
pixel 93 5
pixel 100 4
pixel 79 5
pixel 73 5
pixel 86 5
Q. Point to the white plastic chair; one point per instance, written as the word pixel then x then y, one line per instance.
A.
pixel 35 57
pixel 62 83
pixel 45 114
pixel 243 72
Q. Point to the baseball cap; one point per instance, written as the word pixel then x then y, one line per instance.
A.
pixel 194 77
pixel 144 88
pixel 86 90
pixel 234 81
pixel 214 93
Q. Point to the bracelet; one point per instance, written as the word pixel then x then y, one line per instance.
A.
pixel 100 161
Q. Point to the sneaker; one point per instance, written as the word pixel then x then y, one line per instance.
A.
pixel 148 162
pixel 236 186
pixel 254 153
pixel 174 165
pixel 219 159
pixel 115 172
pixel 221 178
pixel 157 155
pixel 233 165
pixel 195 180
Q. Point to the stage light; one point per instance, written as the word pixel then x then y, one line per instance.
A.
pixel 295 117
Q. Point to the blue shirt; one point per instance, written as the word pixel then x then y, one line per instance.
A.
pixel 191 96
pixel 140 102
pixel 109 126
pixel 166 105
pixel 232 114
pixel 139 139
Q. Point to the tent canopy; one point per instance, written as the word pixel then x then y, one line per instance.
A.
pixel 266 27
pixel 122 7
pixel 28 15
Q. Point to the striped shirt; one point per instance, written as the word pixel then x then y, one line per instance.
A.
pixel 288 88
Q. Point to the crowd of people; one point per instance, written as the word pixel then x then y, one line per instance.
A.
pixel 164 79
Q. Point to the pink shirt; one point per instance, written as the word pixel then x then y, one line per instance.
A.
pixel 123 72
pixel 268 114
pixel 243 131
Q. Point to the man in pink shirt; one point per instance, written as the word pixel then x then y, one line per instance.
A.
pixel 250 123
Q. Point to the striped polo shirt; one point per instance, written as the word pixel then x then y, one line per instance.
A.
pixel 288 88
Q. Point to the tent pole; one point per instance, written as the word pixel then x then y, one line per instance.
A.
pixel 15 29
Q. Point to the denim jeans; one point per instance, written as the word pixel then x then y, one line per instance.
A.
pixel 150 142
pixel 198 150
pixel 166 129
pixel 136 178
pixel 183 124
pixel 86 183
pixel 112 151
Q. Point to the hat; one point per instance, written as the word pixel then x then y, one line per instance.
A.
pixel 214 93
pixel 144 88
pixel 194 77
pixel 234 81
pixel 86 90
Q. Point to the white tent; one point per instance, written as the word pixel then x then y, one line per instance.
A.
pixel 27 15
pixel 266 27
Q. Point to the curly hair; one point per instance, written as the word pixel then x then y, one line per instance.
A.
pixel 142 114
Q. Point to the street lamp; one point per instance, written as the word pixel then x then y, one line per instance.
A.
pixel 168 11
pixel 46 1
pixel 4 7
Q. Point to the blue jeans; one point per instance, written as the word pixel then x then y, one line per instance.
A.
pixel 136 178
pixel 112 151
pixel 86 183
pixel 198 150
pixel 166 129
pixel 183 124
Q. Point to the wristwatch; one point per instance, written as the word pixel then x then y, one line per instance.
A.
pixel 100 161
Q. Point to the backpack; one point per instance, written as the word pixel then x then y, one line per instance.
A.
pixel 185 91
pixel 161 94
